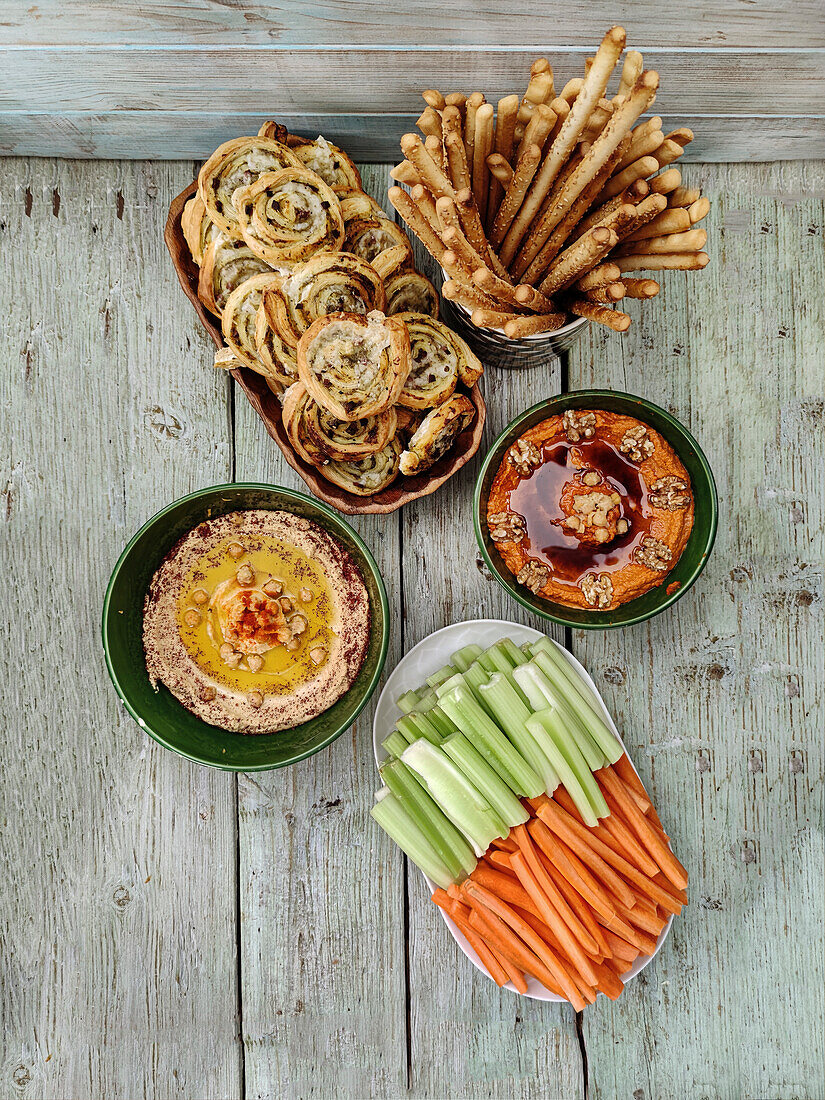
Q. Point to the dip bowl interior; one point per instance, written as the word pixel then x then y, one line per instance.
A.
pixel 158 712
pixel 695 555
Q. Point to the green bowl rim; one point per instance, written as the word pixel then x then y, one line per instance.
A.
pixel 330 514
pixel 596 395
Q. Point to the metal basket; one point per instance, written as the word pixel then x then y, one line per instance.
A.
pixel 495 349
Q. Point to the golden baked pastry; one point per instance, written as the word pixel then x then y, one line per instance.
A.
pixel 334 282
pixel 409 292
pixel 369 475
pixel 437 433
pixel 226 264
pixel 369 231
pixel 238 163
pixel 198 228
pixel 439 360
pixel 295 401
pixel 329 162
pixel 240 316
pixel 275 130
pixel 279 359
pixel 324 437
pixel 354 366
pixel 289 216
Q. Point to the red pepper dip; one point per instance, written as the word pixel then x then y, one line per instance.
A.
pixel 590 509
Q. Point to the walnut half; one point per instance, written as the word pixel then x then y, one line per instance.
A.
pixel 533 575
pixel 597 589
pixel 669 492
pixel 525 457
pixel 654 554
pixel 636 445
pixel 506 526
pixel 578 425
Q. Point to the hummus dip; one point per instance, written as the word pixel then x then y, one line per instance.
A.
pixel 590 509
pixel 256 621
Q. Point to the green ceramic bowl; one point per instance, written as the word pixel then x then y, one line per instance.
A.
pixel 158 712
pixel 695 554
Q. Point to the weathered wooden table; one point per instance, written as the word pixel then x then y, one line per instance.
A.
pixel 173 931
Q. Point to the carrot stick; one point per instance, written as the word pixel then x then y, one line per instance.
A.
pixel 506 887
pixel 624 769
pixel 548 889
pixel 613 832
pixel 483 897
pixel 643 828
pixel 541 929
pixel 639 918
pixel 622 950
pixel 658 892
pixel 609 982
pixel 501 861
pixel 495 965
pixel 570 946
pixel 681 895
pixel 557 820
pixel 619 966
pixel 507 944
pixel 505 844
pixel 578 905
pixel 559 856
pixel 443 900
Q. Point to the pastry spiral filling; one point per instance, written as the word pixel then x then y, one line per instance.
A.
pixel 367 475
pixel 410 292
pixel 240 318
pixel 330 163
pixel 235 164
pixel 436 434
pixel 439 359
pixel 226 264
pixel 289 215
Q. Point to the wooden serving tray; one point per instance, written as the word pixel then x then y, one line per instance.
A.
pixel 267 406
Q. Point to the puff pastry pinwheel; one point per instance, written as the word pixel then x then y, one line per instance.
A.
pixel 236 164
pixel 280 361
pixel 436 435
pixel 289 216
pixel 368 475
pixel 295 402
pixel 271 129
pixel 334 282
pixel 198 228
pixel 409 292
pixel 440 359
pixel 329 162
pixel 225 265
pixel 354 366
pixel 240 317
pixel 369 230
pixel 323 436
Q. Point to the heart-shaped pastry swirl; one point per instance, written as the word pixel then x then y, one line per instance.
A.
pixel 409 292
pixel 329 162
pixel 289 216
pixel 369 231
pixel 226 264
pixel 439 360
pixel 368 475
pixel 198 228
pixel 237 164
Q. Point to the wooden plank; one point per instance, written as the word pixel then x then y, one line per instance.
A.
pixel 322 901
pixel 370 80
pixel 117 912
pixel 165 135
pixel 720 699
pixel 255 22
pixel 467 1037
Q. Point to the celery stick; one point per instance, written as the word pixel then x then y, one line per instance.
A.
pixel 465 657
pixel 490 785
pixel 498 656
pixel 541 693
pixel 456 795
pixel 592 721
pixel 471 718
pixel 440 721
pixel 567 744
pixel 448 842
pixel 395 743
pixel 439 677
pixel 511 714
pixel 397 823
pixel 415 725
pixel 407 728
pixel 513 652
pixel 448 685
pixel 407 702
pixel 566 670
pixel 540 726
pixel 485 661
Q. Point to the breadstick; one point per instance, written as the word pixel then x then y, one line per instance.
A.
pixel 457 167
pixel 495 287
pixel 514 197
pixel 577 259
pixel 692 241
pixel 666 182
pixel 683 136
pixel 645 212
pixel 598 276
pixel 668 151
pixel 456 270
pixel 561 109
pixel 669 221
pixel 688 261
pixel 640 288
pixel 530 298
pixel 598 120
pixel 698 210
pixel 386 262
pixel 595 311
pixel 456 290
pixel 474 101
pixel 435 148
pixel 608 295
pixel 405 173
pixel 431 174
pixel 424 201
pixel 648 126
pixel 633 194
pixel 683 196
pixel 415 220
pixel 599 153
pixel 571 90
pixel 517 327
pixel 631 71
pixel 642 146
pixel 458 100
pixel 538 128
pixel 500 170
pixel 639 169
pixel 474 231
pixel 539 90
pixel 455 241
pixel 490 318
pixel 506 113
pixel 482 147
pixel 433 98
pixel 429 122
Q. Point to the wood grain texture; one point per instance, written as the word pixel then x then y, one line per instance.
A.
pixel 166 135
pixel 322 902
pixel 720 700
pixel 467 1037
pixel 118 966
pixel 728 24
